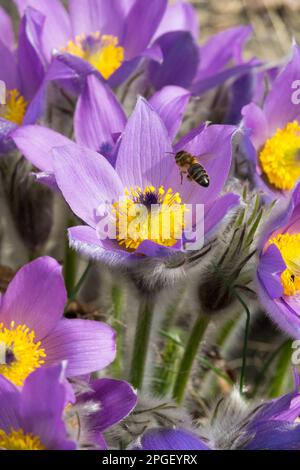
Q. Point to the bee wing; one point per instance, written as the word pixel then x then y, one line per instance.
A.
pixel 294 266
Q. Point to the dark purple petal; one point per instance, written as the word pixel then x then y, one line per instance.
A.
pixel 127 68
pixel 170 439
pixel 35 297
pixel 141 24
pixel 181 57
pixel 274 435
pixel 87 346
pixel 116 399
pixel 98 116
pixel 154 250
pixel 284 408
pixel 47 179
pixel 123 72
pixel 170 103
pixel 42 404
pixel 241 93
pixel 30 61
pixel 143 157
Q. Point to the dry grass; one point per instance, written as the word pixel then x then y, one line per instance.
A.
pixel 274 22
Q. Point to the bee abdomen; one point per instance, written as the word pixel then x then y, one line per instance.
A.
pixel 197 173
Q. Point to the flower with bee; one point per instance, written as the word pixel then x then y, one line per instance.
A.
pixel 144 174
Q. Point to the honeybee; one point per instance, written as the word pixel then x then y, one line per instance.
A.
pixel 190 166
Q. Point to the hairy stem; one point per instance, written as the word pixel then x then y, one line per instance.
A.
pixel 141 341
pixel 189 356
pixel 245 345
pixel 117 302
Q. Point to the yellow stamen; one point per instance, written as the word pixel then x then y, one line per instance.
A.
pixel 24 355
pixel 280 157
pixel 163 224
pixel 102 52
pixel 18 440
pixel 289 247
pixel 15 107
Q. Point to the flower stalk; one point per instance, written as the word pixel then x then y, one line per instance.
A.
pixel 117 304
pixel 141 341
pixel 189 356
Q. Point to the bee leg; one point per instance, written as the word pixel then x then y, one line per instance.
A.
pixel 181 177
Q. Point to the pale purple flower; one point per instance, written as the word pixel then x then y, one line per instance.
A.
pixel 275 132
pixel 32 418
pixel 34 334
pixel 278 282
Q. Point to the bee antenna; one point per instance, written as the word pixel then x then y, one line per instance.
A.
pixel 171 153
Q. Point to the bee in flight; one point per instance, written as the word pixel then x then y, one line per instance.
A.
pixel 190 166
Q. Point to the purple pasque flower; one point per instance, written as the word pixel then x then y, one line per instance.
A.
pixel 110 37
pixel 34 334
pixel 32 418
pixel 275 132
pixel 99 405
pixel 236 426
pixel 22 72
pixel 144 173
pixel 99 121
pixel 278 281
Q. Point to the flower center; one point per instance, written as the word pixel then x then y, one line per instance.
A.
pixel 18 440
pixel 149 214
pixel 289 247
pixel 280 157
pixel 22 355
pixel 15 107
pixel 102 52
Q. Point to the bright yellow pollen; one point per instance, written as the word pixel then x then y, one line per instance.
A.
pixel 163 224
pixel 18 440
pixel 26 355
pixel 289 247
pixel 102 52
pixel 15 107
pixel 280 157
